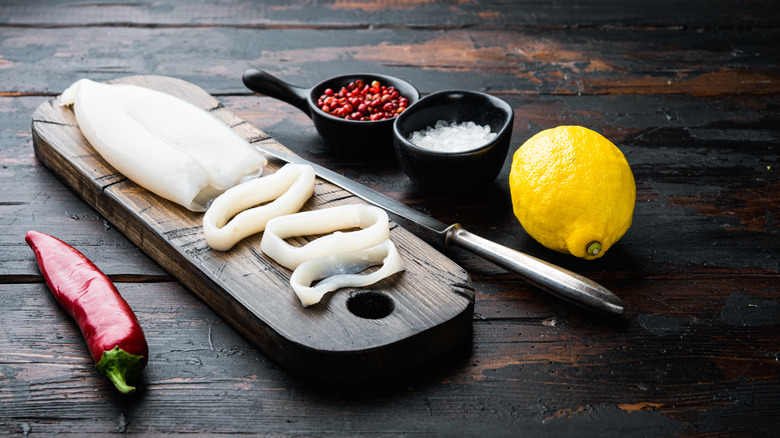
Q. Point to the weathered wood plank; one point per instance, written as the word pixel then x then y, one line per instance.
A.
pixel 511 61
pixel 664 138
pixel 675 372
pixel 688 90
pixel 379 13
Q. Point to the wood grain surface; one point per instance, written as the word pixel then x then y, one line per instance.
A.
pixel 687 90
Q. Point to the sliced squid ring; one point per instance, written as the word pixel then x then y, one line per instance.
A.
pixel 372 220
pixel 342 270
pixel 288 189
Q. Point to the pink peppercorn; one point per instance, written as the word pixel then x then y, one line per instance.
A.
pixel 361 101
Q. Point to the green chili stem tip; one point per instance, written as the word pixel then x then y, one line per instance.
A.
pixel 118 365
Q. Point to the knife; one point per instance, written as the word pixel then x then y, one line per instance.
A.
pixel 558 281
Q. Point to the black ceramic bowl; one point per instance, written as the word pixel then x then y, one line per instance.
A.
pixel 454 173
pixel 355 135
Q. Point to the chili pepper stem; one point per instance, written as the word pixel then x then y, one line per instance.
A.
pixel 119 365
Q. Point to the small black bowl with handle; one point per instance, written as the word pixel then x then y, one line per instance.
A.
pixel 454 173
pixel 367 137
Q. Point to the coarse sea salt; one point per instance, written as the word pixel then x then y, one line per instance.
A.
pixel 452 137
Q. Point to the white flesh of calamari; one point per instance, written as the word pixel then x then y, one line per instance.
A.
pixel 342 270
pixel 372 221
pixel 288 189
pixel 162 143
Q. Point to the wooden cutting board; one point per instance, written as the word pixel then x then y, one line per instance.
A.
pixel 353 334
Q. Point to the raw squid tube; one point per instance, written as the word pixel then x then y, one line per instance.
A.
pixel 288 189
pixel 372 221
pixel 342 270
pixel 162 143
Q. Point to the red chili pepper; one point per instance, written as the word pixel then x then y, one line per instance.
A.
pixel 111 329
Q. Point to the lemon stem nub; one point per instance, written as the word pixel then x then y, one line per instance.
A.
pixel 594 248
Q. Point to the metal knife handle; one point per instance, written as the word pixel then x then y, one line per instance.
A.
pixel 563 283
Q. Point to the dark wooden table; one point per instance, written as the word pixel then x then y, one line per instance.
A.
pixel 689 91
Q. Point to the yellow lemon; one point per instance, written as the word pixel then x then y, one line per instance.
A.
pixel 572 190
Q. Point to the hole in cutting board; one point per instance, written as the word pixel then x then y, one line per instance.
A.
pixel 370 305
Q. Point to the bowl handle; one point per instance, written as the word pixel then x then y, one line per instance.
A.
pixel 264 83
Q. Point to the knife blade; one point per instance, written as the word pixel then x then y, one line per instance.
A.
pixel 564 284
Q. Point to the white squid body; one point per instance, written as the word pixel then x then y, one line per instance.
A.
pixel 287 189
pixel 162 143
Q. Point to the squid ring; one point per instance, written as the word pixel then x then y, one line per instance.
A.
pixel 372 221
pixel 288 189
pixel 342 270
